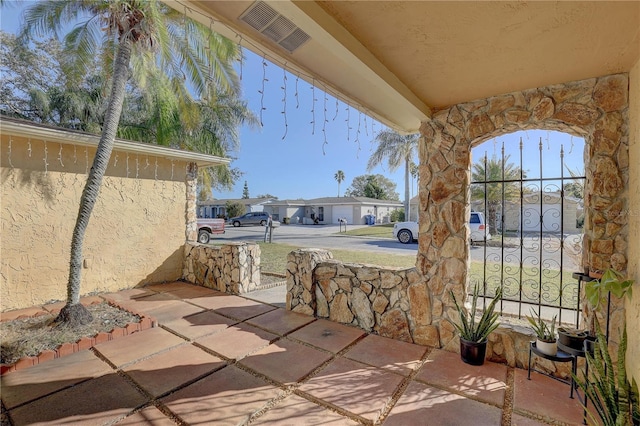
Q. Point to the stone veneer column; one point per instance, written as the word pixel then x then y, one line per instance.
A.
pixel 301 293
pixel 191 221
pixel 443 252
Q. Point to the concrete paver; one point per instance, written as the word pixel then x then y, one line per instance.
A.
pixel 420 402
pixel 227 397
pixel 96 401
pixel 26 385
pixel 138 345
pixel 281 321
pixel 339 375
pixel 400 357
pixel 168 370
pixel 328 335
pixel 354 387
pixel 485 383
pixel 198 325
pixel 286 361
pixel 238 341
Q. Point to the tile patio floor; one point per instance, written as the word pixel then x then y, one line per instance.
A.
pixel 227 360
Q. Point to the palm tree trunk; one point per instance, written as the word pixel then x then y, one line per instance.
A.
pixel 73 312
pixel 406 189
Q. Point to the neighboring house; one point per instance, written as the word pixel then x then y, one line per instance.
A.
pixel 144 213
pixel 550 207
pixel 328 210
pixel 218 208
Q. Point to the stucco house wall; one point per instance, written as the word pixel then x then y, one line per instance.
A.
pixel 137 230
pixel 633 270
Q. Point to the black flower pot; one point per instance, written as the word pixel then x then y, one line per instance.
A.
pixel 573 339
pixel 473 353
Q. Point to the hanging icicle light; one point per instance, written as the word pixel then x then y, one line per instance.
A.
pixel 284 100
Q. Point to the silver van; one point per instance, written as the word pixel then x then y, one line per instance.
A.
pixel 252 218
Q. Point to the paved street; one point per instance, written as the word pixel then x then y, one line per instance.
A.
pixel 318 236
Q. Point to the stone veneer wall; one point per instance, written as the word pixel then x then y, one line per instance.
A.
pixel 390 302
pixel 596 109
pixel 232 268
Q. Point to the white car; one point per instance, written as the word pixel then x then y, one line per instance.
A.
pixel 407 232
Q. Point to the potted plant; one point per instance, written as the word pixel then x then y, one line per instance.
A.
pixel 572 337
pixel 614 399
pixel 545 335
pixel 611 282
pixel 474 332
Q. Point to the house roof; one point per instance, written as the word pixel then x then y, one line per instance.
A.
pixel 401 60
pixel 28 129
pixel 336 201
pixel 245 201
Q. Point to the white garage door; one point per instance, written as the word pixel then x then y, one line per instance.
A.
pixel 342 211
pixel 550 216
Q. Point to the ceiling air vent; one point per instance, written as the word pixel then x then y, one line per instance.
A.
pixel 274 26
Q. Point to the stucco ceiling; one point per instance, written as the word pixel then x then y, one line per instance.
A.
pixel 400 60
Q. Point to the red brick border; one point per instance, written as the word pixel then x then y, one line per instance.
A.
pixel 82 344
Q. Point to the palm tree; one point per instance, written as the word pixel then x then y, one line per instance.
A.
pixel 126 35
pixel 339 176
pixel 398 150
pixel 488 183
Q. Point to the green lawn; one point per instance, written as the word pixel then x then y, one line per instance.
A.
pixel 274 257
pixel 378 231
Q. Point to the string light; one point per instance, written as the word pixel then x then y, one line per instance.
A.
pixel 264 79
pixel 241 55
pixel 366 130
pixel 348 126
pixel 571 148
pixel 115 161
pixel 9 152
pixel 284 101
pixel 358 131
pixel 46 164
pixel 86 161
pixel 324 121
pixel 172 166
pixel 336 116
pixel 75 155
pixel 29 147
pixel 127 162
pixel 313 108
pixel 60 156
pixel 147 164
pixel 155 173
pixel 137 167
pixel 297 100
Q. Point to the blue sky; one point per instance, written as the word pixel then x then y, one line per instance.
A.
pixel 299 160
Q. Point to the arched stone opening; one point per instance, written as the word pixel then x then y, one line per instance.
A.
pixel 595 109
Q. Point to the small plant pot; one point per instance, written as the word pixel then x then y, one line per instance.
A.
pixel 547 348
pixel 473 353
pixel 573 339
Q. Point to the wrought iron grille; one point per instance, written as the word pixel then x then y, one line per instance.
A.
pixel 536 238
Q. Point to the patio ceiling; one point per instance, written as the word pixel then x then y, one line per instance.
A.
pixel 400 60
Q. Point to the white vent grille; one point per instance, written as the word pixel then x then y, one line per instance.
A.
pixel 274 26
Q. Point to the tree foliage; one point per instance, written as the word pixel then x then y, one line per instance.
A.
pixel 234 209
pixel 490 188
pixel 339 177
pixel 245 190
pixel 373 186
pixel 398 150
pixel 267 195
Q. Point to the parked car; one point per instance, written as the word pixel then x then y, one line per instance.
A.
pixel 407 232
pixel 208 227
pixel 252 218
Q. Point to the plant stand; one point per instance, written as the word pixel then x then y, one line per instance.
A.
pixel 561 356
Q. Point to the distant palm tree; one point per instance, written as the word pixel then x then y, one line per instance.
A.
pixel 125 34
pixel 398 150
pixel 339 176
